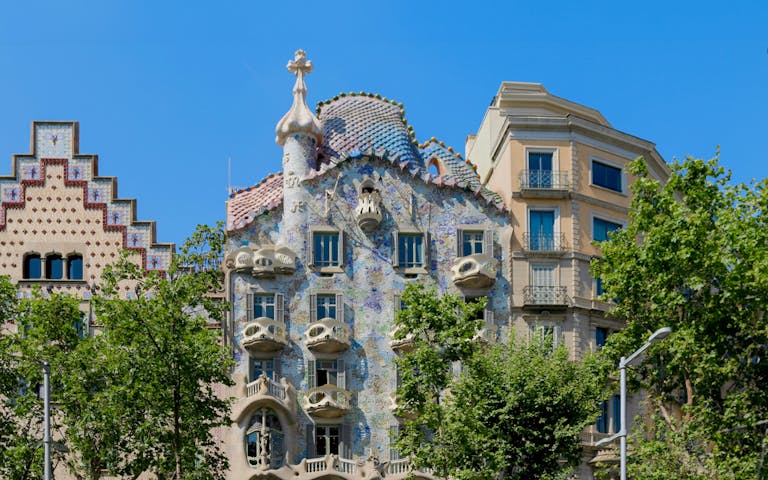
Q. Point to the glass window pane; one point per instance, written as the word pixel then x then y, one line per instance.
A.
pixel 606 176
pixel 75 267
pixel 54 267
pixel 32 267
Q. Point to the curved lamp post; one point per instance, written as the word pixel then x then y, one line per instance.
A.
pixel 657 336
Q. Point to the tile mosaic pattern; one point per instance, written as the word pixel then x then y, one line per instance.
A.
pixel 355 123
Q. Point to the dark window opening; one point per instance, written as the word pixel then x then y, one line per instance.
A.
pixel 32 267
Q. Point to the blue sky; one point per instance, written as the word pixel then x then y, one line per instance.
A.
pixel 166 92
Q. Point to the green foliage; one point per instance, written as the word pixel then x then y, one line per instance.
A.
pixel 693 257
pixel 140 397
pixel 515 410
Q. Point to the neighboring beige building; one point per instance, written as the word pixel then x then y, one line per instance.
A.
pixel 559 167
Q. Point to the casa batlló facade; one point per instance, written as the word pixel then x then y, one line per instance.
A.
pixel 317 256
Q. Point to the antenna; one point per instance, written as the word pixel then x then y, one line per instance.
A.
pixel 229 176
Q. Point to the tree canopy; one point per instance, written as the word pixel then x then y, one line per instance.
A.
pixel 138 397
pixel 513 410
pixel 694 257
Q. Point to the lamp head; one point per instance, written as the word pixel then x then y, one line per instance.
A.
pixel 660 334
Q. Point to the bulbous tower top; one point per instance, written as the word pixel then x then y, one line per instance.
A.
pixel 299 118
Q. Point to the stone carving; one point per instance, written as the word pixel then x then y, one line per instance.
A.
pixel 474 271
pixel 327 401
pixel 299 118
pixel 327 335
pixel 264 335
pixel 263 262
pixel 368 210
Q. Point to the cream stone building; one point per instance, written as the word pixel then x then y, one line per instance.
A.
pixel 560 168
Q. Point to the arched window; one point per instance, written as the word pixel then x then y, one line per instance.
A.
pixel 435 168
pixel 54 267
pixel 32 267
pixel 269 453
pixel 75 267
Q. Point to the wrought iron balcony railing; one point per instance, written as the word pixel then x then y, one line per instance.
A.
pixel 544 242
pixel 544 295
pixel 543 180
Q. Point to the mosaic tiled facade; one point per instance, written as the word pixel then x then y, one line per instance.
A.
pixel 61 223
pixel 317 256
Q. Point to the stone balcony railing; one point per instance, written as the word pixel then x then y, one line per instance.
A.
pixel 368 210
pixel 328 336
pixel 264 334
pixel 404 344
pixel 327 401
pixel 474 271
pixel 280 394
pixel 403 468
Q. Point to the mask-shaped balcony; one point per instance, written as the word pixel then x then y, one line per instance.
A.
pixel 404 344
pixel 396 407
pixel 262 262
pixel 327 336
pixel 327 401
pixel 264 335
pixel 368 210
pixel 267 391
pixel 474 271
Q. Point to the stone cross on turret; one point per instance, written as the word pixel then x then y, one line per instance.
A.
pixel 299 119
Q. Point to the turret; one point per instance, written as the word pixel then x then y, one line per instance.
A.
pixel 300 135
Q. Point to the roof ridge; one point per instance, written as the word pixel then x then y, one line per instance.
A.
pixel 375 96
pixel 248 189
pixel 450 149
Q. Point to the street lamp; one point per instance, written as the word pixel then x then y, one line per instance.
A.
pixel 46 417
pixel 657 336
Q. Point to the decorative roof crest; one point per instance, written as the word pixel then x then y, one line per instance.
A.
pixel 299 118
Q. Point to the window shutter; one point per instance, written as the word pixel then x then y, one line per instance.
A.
pixel 341 374
pixel 488 317
pixel 342 248
pixel 557 333
pixel 398 300
pixel 249 307
pixel 427 248
pixel 280 307
pixel 345 449
pixel 312 308
pixel 340 307
pixel 310 249
pixel 395 253
pixel 456 368
pixel 311 382
pixel 311 441
pixel 276 368
pixel 459 242
pixel 488 243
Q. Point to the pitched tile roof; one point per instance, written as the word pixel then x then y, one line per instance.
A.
pixel 245 205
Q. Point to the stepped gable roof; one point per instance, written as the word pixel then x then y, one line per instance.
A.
pixel 359 122
pixel 245 205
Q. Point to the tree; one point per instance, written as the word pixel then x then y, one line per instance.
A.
pixel 170 360
pixel 515 411
pixel 693 257
pixel 44 329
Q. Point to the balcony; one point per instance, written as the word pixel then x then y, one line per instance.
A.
pixel 545 296
pixel 403 468
pixel 327 401
pixel 368 210
pixel 544 184
pixel 267 391
pixel 404 344
pixel 544 243
pixel 327 336
pixel 397 409
pixel 474 271
pixel 264 335
pixel 263 262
